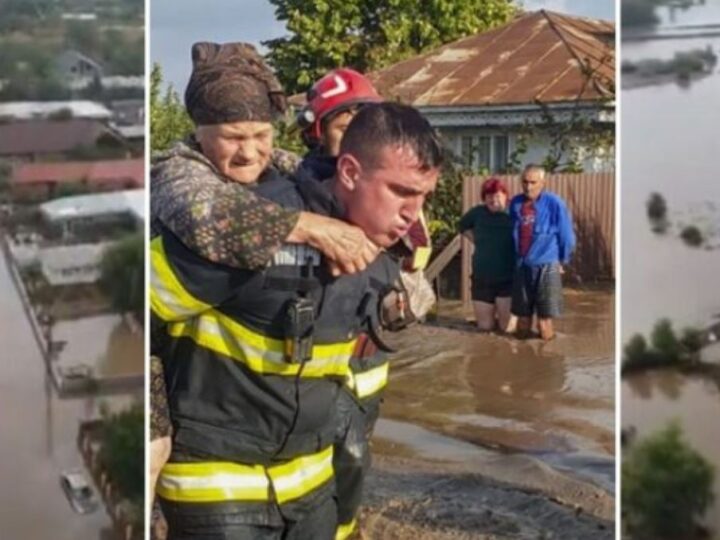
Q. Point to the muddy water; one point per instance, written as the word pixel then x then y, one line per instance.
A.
pixel 660 275
pixel 37 437
pixel 455 394
pixel 651 400
pixel 104 342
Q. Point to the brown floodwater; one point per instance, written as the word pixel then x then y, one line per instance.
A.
pixel 37 437
pixel 650 400
pixel 661 276
pixel 455 394
pixel 104 342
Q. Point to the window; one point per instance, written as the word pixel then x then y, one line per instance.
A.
pixel 501 152
pixel 485 152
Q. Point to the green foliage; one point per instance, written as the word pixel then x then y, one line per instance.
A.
pixel 692 236
pixel 370 34
pixel 635 349
pixel 444 207
pixel 123 453
pixel 691 343
pixel 288 138
pixel 664 340
pixel 169 121
pixel 666 349
pixel 666 487
pixel 639 13
pixel 122 274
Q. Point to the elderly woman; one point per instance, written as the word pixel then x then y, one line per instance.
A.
pixel 491 230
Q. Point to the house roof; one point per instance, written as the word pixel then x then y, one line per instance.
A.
pixel 540 56
pixel 48 136
pixel 95 204
pixel 130 170
pixel 27 110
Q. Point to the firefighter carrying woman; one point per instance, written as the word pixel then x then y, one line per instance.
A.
pixel 272 282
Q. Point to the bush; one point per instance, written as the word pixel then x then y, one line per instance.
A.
pixel 123 453
pixel 122 275
pixel 692 236
pixel 666 487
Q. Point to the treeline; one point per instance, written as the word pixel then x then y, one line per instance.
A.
pixel 643 12
pixel 665 348
pixel 25 15
pixel 683 64
pixel 33 35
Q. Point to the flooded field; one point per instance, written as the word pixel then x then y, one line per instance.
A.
pixel 661 276
pixel 669 279
pixel 455 393
pixel 650 400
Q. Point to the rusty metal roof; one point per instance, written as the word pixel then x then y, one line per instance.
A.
pixel 129 171
pixel 540 56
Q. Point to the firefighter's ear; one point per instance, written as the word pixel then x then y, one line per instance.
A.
pixel 348 171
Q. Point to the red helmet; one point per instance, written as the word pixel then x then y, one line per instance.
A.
pixel 338 90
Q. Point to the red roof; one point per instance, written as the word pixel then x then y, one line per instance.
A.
pixel 540 56
pixel 128 171
pixel 48 136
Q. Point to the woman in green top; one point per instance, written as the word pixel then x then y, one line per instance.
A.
pixel 494 257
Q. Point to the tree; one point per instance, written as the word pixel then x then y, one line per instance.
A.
pixel 122 274
pixel 639 13
pixel 665 341
pixel 370 34
pixel 635 351
pixel 666 487
pixel 169 122
pixel 123 453
pixel 692 343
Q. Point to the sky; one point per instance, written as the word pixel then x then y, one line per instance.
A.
pixel 176 24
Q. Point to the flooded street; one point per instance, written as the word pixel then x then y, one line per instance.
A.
pixel 37 437
pixel 650 400
pixel 459 396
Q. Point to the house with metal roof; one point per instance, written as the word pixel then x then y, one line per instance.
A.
pixel 42 181
pixel 86 216
pixel 517 92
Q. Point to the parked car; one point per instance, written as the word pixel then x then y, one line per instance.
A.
pixel 78 491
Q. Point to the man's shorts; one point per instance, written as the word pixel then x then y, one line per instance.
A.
pixel 488 292
pixel 537 289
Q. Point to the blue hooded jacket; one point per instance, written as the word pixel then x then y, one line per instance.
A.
pixel 553 236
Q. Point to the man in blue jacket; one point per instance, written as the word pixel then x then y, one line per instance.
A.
pixel 544 239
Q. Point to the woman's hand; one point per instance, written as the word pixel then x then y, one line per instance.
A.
pixel 346 246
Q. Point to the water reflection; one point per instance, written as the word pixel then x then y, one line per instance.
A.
pixel 652 399
pixel 521 395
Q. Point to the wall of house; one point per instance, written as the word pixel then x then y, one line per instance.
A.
pixel 538 147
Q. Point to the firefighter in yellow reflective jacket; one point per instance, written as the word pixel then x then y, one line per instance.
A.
pixel 255 360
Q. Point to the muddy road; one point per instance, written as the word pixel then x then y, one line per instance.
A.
pixel 483 436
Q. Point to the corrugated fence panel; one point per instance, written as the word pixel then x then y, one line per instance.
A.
pixel 590 197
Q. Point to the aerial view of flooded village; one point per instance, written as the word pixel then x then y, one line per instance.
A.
pixel 670 299
pixel 71 269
